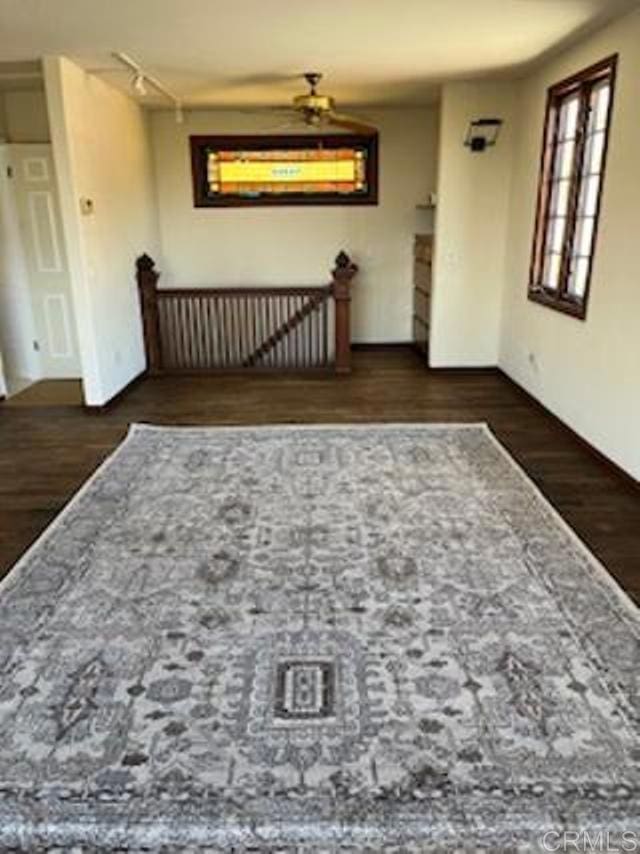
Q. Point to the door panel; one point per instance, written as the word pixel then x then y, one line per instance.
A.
pixel 41 228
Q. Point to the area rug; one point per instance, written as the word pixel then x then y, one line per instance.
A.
pixel 337 638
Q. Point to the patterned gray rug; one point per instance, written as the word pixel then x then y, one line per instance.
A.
pixel 360 636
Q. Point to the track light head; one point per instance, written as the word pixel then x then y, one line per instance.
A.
pixel 138 84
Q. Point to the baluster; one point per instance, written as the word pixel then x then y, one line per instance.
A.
pixel 206 330
pixel 171 333
pixel 304 332
pixel 299 302
pixel 214 320
pixel 202 346
pixel 237 319
pixel 308 335
pixel 257 307
pixel 177 308
pixel 193 333
pixel 188 315
pixel 295 337
pixel 162 329
pixel 242 330
pixel 282 316
pixel 171 324
pixel 325 332
pixel 268 317
pixel 197 313
pixel 228 329
pixel 185 332
pixel 237 337
pixel 248 313
pixel 315 317
pixel 286 341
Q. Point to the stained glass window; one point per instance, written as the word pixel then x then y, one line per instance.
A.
pixel 340 169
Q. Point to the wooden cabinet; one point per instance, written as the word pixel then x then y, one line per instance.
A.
pixel 422 261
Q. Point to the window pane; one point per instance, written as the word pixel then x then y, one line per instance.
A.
pixel 564 160
pixel 600 105
pixel 594 152
pixel 588 201
pixel 568 119
pixel 584 236
pixel 578 277
pixel 555 234
pixel 559 198
pixel 551 276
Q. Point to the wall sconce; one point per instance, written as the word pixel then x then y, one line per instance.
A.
pixel 482 133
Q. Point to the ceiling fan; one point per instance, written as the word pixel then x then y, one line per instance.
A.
pixel 317 111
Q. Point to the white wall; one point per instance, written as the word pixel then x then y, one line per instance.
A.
pixel 100 140
pixel 17 326
pixel 471 228
pixel 23 116
pixel 297 245
pixel 588 373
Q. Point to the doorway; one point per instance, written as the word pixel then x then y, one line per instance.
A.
pixel 38 337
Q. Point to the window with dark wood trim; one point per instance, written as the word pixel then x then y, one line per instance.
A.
pixel 574 153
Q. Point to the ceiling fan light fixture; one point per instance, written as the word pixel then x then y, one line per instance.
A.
pixel 317 103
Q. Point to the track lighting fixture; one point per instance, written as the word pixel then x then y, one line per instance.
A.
pixel 142 80
pixel 138 84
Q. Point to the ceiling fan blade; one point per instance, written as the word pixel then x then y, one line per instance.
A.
pixel 257 110
pixel 294 124
pixel 351 123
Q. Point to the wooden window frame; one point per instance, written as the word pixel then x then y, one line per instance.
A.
pixel 581 84
pixel 200 146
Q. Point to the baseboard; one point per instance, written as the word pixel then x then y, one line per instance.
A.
pixel 105 407
pixel 383 345
pixel 615 469
pixel 487 370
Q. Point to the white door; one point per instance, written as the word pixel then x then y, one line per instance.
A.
pixel 34 184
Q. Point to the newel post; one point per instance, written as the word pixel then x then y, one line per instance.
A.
pixel 343 274
pixel 147 277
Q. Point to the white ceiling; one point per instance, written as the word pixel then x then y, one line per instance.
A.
pixel 248 52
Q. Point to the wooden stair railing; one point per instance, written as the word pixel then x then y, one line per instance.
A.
pixel 271 328
pixel 314 303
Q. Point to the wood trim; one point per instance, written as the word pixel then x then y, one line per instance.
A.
pixel 615 469
pixel 481 370
pixel 590 74
pixel 583 82
pixel 366 346
pixel 235 291
pixel 199 144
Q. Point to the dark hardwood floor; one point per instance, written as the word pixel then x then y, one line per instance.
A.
pixel 49 445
